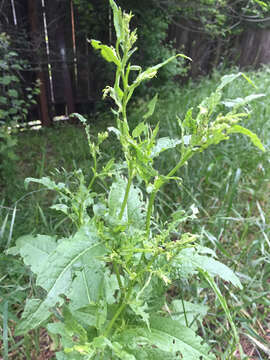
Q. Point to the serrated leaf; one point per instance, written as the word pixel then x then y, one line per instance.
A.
pixel 61 207
pixel 108 53
pixel 134 212
pixel 139 129
pixel 163 144
pixel 47 182
pixel 56 277
pixel 140 309
pixel 151 107
pixel 35 250
pixel 194 261
pixel 253 137
pixel 168 336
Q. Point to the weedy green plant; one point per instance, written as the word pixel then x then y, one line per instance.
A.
pixel 15 103
pixel 105 289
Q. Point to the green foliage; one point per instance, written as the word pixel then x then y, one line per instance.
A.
pixel 15 103
pixel 152 46
pixel 219 17
pixel 107 283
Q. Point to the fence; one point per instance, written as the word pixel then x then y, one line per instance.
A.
pixel 58 54
pixel 61 57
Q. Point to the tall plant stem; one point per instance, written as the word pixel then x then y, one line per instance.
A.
pixel 149 211
pixel 153 195
pixel 182 162
pixel 124 203
pixel 116 270
pixel 119 311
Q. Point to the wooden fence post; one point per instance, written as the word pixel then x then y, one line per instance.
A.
pixel 34 24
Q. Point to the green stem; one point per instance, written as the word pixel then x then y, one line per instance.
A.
pixel 92 181
pixel 116 270
pixel 182 162
pixel 124 203
pixel 149 212
pixel 119 311
pixel 94 169
pixel 184 158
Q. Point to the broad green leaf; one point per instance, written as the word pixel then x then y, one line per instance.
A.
pixel 134 211
pixel 56 277
pixel 6 80
pixel 61 207
pixel 110 286
pixel 121 353
pixel 234 103
pixel 192 260
pixel 107 52
pixel 13 93
pixel 139 129
pixel 140 309
pixel 87 316
pixel 86 288
pixel 142 353
pixel 116 198
pixel 253 137
pixel 48 183
pixel 163 144
pixel 73 327
pixel 35 250
pixel 168 336
pixel 188 313
pixel 37 311
pixel 117 19
pixel 227 79
pixel 151 107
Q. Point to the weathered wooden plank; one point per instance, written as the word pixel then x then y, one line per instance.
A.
pixel 61 56
pixel 36 30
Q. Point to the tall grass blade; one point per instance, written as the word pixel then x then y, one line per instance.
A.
pixel 11 226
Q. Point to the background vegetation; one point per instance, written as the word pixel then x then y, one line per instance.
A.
pixel 229 184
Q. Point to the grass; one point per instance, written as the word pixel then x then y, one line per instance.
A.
pixel 229 184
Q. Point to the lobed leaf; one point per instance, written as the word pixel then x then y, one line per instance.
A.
pixel 56 276
pixel 35 250
pixel 192 260
pixel 163 144
pixel 151 107
pixel 168 336
pixel 107 52
pixel 253 137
